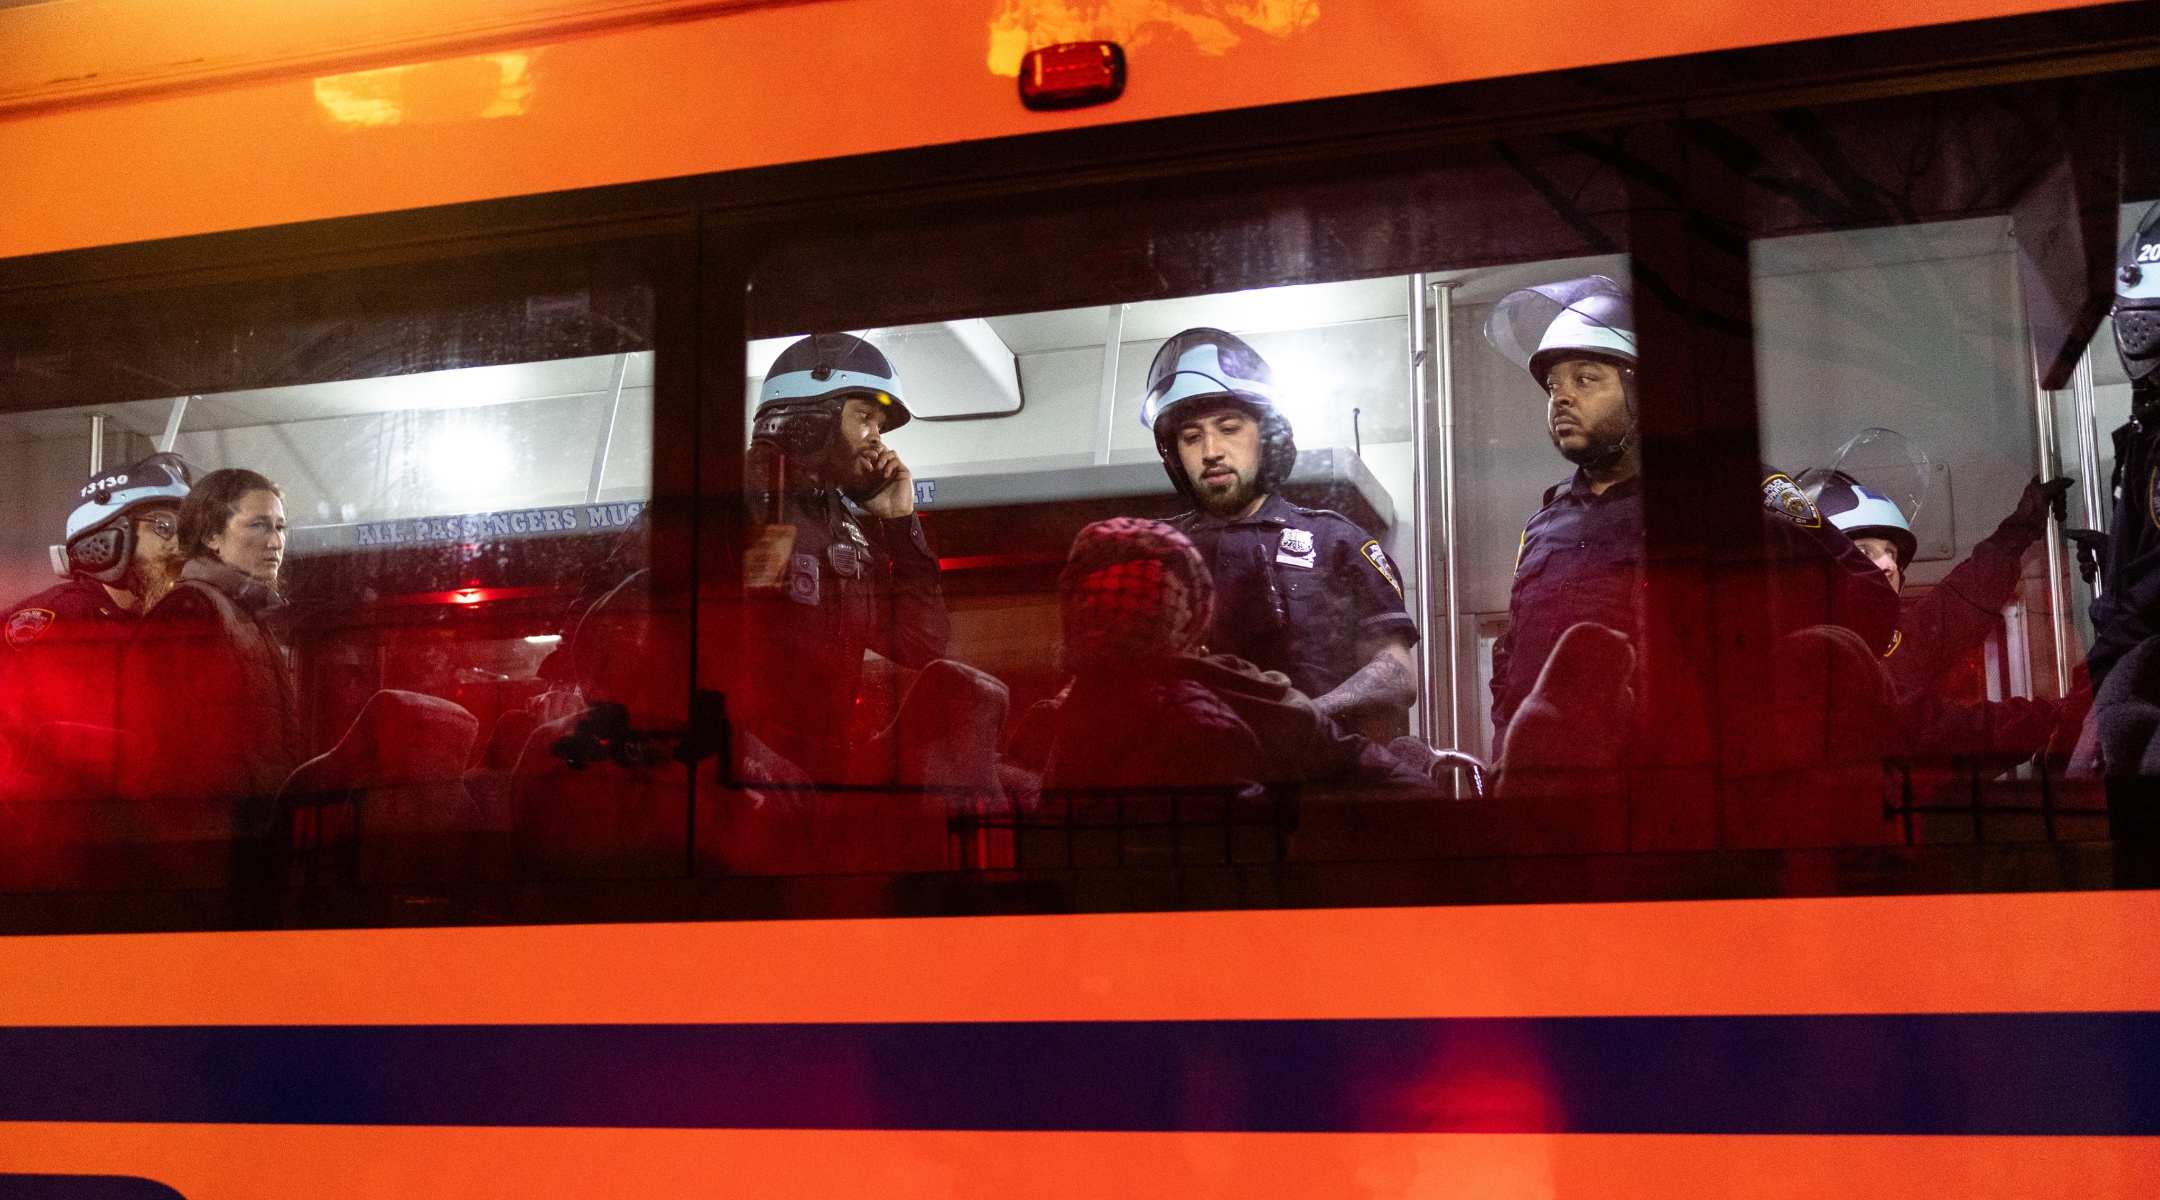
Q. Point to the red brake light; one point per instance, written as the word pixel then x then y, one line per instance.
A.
pixel 1072 75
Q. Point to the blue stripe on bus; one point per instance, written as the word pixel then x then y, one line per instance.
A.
pixel 2002 1073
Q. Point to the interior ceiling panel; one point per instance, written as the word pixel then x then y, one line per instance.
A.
pixel 466 387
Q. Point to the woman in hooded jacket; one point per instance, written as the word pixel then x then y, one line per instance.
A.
pixel 206 698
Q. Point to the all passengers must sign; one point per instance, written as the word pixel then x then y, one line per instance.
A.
pixel 526 522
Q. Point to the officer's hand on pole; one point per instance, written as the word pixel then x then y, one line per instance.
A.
pixel 2039 499
pixel 895 496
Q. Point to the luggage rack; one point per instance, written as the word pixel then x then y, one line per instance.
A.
pixel 2043 808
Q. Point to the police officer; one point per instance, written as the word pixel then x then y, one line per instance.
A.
pixel 1954 618
pixel 843 566
pixel 2127 611
pixel 1298 590
pixel 1580 558
pixel 2125 657
pixel 60 649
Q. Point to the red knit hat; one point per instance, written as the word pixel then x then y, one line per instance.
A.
pixel 1132 590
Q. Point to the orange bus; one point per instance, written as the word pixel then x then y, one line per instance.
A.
pixel 577 878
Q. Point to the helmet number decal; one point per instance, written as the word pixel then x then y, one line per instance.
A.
pixel 1379 560
pixel 27 625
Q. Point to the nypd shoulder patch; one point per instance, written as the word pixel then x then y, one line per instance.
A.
pixel 1784 497
pixel 26 625
pixel 1379 560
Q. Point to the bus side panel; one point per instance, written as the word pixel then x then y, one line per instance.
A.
pixel 254 1162
pixel 2004 953
pixel 789 83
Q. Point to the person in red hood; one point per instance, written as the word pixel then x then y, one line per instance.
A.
pixel 1148 707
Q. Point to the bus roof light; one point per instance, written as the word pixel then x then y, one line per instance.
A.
pixel 1072 75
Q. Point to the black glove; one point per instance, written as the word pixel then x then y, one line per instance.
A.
pixel 2091 544
pixel 2032 510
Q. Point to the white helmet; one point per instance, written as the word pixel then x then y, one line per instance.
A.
pixel 1537 327
pixel 100 535
pixel 1859 512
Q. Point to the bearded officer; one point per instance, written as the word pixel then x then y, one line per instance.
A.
pixel 1580 558
pixel 844 567
pixel 60 649
pixel 1298 590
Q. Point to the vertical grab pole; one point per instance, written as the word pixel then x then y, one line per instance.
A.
pixel 2088 434
pixel 1106 402
pixel 607 432
pixel 97 443
pixel 1429 726
pixel 2058 571
pixel 173 417
pixel 1444 343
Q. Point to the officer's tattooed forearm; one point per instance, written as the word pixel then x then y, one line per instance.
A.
pixel 1387 680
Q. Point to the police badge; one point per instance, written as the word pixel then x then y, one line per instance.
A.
pixel 1784 497
pixel 1296 549
pixel 28 625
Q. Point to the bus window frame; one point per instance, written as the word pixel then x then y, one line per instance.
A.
pixel 703 234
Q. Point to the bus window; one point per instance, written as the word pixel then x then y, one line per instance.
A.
pixel 284 621
pixel 1934 372
pixel 1222 581
pixel 1574 404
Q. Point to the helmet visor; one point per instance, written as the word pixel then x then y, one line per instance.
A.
pixel 1519 323
pixel 1888 464
pixel 1200 372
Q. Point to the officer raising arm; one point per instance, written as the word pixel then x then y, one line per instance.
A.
pixel 1297 590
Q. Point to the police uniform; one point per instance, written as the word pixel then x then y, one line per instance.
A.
pixel 61 648
pixel 59 663
pixel 2127 611
pixel 1297 590
pixel 1580 559
pixel 853 582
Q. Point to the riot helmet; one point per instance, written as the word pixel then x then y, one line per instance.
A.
pixel 1860 511
pixel 2137 303
pixel 1202 369
pixel 799 406
pixel 1537 327
pixel 101 531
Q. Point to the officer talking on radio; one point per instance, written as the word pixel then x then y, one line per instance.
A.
pixel 1297 590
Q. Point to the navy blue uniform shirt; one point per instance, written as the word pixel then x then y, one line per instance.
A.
pixel 854 582
pixel 1581 560
pixel 59 655
pixel 2127 610
pixel 1296 591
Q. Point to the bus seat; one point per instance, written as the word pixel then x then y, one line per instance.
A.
pixel 1805 760
pixel 400 773
pixel 59 817
pixel 604 821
